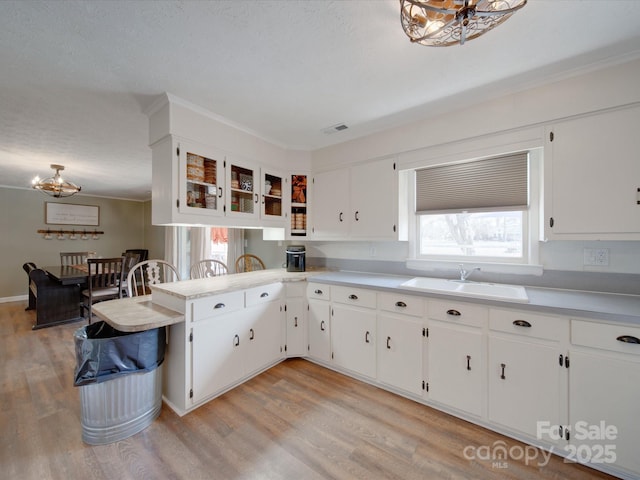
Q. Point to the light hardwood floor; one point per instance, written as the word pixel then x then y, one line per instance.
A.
pixel 295 421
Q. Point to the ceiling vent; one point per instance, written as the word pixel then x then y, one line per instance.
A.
pixel 334 128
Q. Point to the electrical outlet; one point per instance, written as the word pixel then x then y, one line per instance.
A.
pixel 596 257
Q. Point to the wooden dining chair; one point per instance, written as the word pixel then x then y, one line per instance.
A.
pixel 105 279
pixel 28 267
pixel 131 259
pixel 75 258
pixel 147 273
pixel 249 263
pixel 208 268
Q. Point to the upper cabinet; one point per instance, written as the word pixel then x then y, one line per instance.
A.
pixel 243 198
pixel 592 177
pixel 298 211
pixel 195 184
pixel 357 203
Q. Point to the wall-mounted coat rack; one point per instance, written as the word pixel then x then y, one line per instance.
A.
pixel 48 234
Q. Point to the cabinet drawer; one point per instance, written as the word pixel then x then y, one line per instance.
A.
pixel 605 336
pixel 263 294
pixel 295 289
pixel 529 324
pixel 319 291
pixel 216 305
pixel 354 296
pixel 399 303
pixel 458 312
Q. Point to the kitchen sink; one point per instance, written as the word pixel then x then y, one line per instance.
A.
pixel 490 291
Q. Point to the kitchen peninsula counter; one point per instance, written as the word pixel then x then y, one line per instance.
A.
pixel 136 314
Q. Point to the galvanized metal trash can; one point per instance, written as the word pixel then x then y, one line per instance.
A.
pixel 116 409
pixel 120 379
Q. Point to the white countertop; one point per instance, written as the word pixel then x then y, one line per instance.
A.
pixel 204 287
pixel 140 313
pixel 595 305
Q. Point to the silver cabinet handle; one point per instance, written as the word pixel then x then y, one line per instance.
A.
pixel 236 340
pixel 264 294
pixel 219 305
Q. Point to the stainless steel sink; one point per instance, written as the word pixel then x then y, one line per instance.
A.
pixel 490 291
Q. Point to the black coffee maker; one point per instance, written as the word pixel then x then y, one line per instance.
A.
pixel 295 258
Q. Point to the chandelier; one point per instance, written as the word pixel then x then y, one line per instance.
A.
pixel 55 186
pixel 440 23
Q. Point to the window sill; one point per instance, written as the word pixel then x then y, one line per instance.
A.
pixel 488 267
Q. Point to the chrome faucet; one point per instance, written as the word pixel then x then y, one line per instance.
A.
pixel 464 274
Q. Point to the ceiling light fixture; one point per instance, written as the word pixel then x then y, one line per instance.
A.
pixel 56 186
pixel 441 23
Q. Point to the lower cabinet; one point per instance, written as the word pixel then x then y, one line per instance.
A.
pixel 527 373
pixel 319 322
pixel 296 319
pixel 224 340
pixel 457 364
pixel 604 393
pixel 353 330
pixel 401 335
pixel 218 351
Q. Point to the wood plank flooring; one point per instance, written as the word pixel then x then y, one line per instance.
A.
pixel 295 421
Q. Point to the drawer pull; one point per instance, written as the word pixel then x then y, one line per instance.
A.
pixel 340 217
pixel 295 321
pixel 401 304
pixel 236 340
pixel 521 323
pixel 264 294
pixel 468 362
pixel 317 291
pixel 353 297
pixel 356 216
pixel 388 343
pixel 454 313
pixel 252 334
pixel 628 339
pixel 503 366
pixel 366 337
pixel 219 305
pixel 322 325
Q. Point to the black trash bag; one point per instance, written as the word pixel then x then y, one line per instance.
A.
pixel 103 353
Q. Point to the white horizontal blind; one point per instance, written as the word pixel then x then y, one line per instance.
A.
pixel 498 182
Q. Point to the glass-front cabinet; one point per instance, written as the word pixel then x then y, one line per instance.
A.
pixel 272 194
pixel 298 206
pixel 202 174
pixel 243 193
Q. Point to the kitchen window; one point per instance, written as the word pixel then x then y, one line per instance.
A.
pixel 478 211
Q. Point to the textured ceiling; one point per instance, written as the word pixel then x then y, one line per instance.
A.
pixel 76 76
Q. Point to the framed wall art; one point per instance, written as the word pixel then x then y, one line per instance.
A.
pixel 71 214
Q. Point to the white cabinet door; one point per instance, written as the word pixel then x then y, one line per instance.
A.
pixel 271 203
pixel 330 204
pixel 264 335
pixel 353 339
pixel 374 200
pixel 524 385
pixel 296 327
pixel 604 395
pixel 319 330
pixel 243 189
pixel 218 353
pixel 457 366
pixel 591 190
pixel 400 345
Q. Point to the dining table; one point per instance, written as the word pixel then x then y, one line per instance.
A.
pixel 68 274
